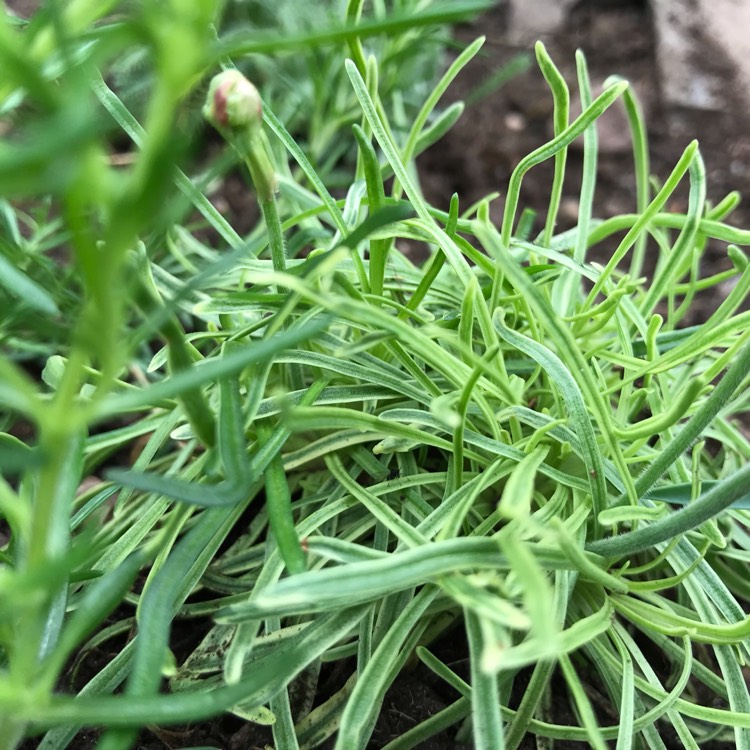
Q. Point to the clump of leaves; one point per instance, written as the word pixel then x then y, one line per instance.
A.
pixel 345 457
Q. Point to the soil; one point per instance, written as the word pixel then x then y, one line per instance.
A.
pixel 476 158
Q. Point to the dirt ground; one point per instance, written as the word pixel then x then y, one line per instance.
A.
pixel 476 158
pixel 617 38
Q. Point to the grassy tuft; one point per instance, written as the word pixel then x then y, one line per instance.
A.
pixel 325 456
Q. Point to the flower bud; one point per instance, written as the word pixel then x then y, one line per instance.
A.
pixel 233 102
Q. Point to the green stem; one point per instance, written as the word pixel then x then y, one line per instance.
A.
pixel 58 480
pixel 275 234
pixel 254 150
pixel 37 627
pixel 179 354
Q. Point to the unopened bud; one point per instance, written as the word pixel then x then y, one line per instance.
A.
pixel 233 102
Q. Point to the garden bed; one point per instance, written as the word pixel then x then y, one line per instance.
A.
pixel 474 159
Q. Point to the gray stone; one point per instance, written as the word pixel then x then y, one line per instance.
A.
pixel 703 51
pixel 532 18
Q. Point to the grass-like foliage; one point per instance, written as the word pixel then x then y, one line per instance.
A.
pixel 330 454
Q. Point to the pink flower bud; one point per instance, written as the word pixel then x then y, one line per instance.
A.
pixel 233 102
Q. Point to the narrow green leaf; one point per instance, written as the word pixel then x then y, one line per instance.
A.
pixel 360 713
pixel 17 283
pixel 485 703
pixel 364 581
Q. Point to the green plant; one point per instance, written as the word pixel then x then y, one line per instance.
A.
pixel 454 448
pixel 307 89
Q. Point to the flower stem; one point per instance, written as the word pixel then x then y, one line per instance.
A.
pixel 275 235
pixel 234 108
